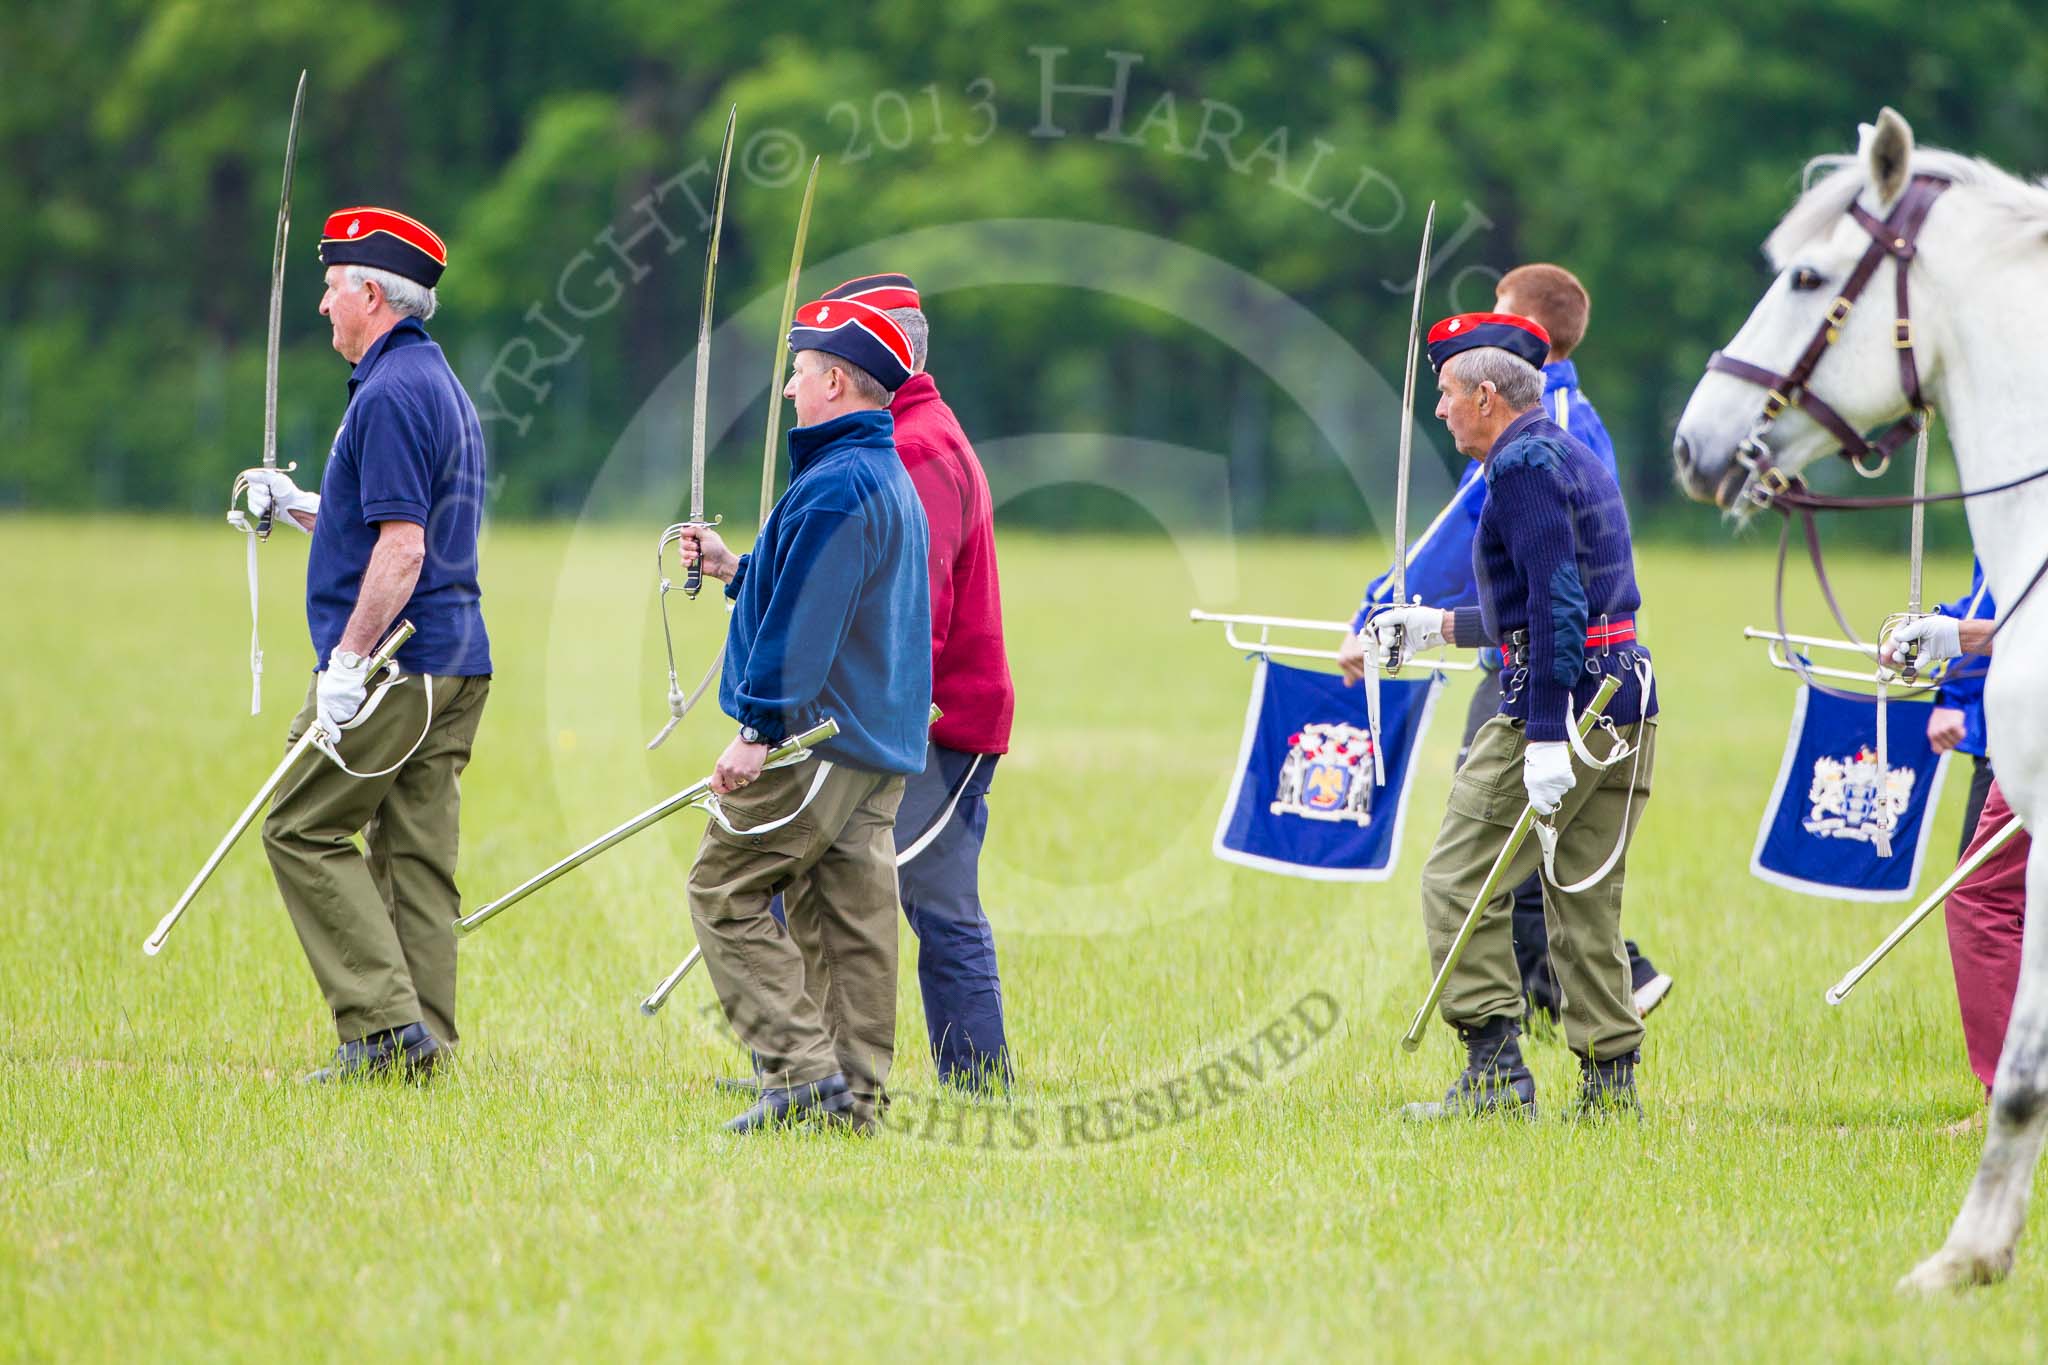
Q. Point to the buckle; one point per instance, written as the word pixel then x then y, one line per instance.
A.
pixel 1774 481
pixel 1838 311
pixel 1775 404
pixel 1902 334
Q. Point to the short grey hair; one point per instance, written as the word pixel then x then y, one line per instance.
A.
pixel 1519 384
pixel 914 326
pixel 864 384
pixel 408 298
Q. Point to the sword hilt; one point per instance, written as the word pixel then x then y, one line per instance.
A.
pixel 693 576
pixel 1908 651
pixel 1397 657
pixel 242 483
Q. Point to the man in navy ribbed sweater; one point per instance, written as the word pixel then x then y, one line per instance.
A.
pixel 831 620
pixel 1557 598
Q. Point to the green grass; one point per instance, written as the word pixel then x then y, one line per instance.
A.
pixel 166 1191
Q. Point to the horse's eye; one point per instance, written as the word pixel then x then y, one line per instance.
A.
pixel 1806 277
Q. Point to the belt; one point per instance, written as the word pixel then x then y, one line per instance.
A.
pixel 1604 633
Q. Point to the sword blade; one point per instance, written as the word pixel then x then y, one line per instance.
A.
pixel 776 378
pixel 699 416
pixel 1915 580
pixel 284 225
pixel 1400 577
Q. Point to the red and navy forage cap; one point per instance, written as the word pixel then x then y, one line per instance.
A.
pixel 384 239
pixel 879 291
pixel 1518 336
pixel 855 331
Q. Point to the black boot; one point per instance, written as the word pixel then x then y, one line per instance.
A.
pixel 410 1051
pixel 1608 1087
pixel 829 1099
pixel 1495 1079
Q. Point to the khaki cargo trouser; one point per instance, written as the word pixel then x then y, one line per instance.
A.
pixel 378 927
pixel 821 998
pixel 1586 951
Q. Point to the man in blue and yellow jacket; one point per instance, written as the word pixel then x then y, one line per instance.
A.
pixel 831 620
pixel 1555 570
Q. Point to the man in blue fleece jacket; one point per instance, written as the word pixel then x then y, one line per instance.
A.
pixel 831 619
pixel 1557 598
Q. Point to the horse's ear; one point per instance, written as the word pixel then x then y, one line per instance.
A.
pixel 1887 151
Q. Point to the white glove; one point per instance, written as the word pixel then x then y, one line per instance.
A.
pixel 342 687
pixel 1547 773
pixel 1938 638
pixel 1414 629
pixel 272 492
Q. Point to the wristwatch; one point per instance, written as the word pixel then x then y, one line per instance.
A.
pixel 749 735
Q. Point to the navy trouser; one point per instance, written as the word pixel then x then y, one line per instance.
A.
pixel 939 831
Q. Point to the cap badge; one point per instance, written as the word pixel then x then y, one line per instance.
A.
pixel 355 225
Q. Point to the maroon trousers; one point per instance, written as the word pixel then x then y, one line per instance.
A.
pixel 1986 915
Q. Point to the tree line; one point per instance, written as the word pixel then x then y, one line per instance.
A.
pixel 1236 195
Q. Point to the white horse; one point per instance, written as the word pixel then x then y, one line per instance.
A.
pixel 1979 295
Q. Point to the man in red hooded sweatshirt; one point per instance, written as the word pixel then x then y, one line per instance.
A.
pixel 944 816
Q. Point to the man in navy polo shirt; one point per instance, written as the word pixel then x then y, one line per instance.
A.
pixel 394 530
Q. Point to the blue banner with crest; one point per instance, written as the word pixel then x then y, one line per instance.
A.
pixel 1303 802
pixel 1818 834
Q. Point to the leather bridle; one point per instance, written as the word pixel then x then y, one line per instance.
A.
pixel 1896 236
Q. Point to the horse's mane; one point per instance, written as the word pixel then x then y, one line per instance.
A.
pixel 1834 182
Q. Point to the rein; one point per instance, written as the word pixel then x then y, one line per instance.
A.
pixel 1895 236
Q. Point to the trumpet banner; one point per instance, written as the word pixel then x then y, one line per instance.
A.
pixel 1302 802
pixel 1817 831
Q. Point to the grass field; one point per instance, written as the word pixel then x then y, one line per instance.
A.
pixel 167 1192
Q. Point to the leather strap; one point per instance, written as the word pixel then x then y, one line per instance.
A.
pixel 1895 236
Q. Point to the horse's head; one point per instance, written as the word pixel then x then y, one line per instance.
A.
pixel 1736 422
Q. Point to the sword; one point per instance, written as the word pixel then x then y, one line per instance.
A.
pixel 1399 596
pixel 776 379
pixel 1915 579
pixel 693 578
pixel 1999 838
pixel 775 382
pixel 379 661
pixel 236 517
pixel 284 227
pixel 697 795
